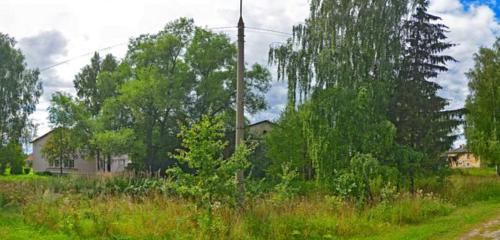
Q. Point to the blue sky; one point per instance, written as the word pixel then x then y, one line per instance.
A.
pixel 493 4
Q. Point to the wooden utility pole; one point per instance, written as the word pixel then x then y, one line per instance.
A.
pixel 240 85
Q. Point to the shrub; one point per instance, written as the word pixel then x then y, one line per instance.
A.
pixel 411 209
pixel 212 182
pixel 13 156
pixel 285 190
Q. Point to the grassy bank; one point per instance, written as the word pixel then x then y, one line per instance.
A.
pixel 35 207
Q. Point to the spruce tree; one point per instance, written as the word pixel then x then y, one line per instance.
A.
pixel 416 110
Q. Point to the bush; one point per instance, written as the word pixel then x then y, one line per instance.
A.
pixel 411 210
pixel 356 181
pixel 285 190
pixel 12 155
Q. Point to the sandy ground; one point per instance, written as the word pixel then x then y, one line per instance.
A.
pixel 488 230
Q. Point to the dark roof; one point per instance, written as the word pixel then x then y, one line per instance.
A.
pixel 261 122
pixel 44 135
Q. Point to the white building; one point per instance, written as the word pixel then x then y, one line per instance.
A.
pixel 79 165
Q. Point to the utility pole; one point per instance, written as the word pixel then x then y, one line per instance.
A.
pixel 240 84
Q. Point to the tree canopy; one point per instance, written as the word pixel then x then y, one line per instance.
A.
pixel 483 106
pixel 20 89
pixel 166 80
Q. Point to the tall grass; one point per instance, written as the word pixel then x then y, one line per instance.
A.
pixel 139 208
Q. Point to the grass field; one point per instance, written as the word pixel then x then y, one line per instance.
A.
pixel 39 207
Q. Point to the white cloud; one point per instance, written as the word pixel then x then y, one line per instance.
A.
pixel 471 27
pixel 87 25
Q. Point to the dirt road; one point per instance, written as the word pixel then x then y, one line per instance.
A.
pixel 488 230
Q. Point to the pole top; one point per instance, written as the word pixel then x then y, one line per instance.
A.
pixel 241 8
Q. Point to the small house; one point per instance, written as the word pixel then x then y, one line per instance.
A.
pixel 79 165
pixel 260 129
pixel 462 158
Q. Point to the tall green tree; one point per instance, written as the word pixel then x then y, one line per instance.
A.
pixel 483 106
pixel 423 124
pixel 342 63
pixel 176 76
pixel 287 145
pixel 87 84
pixel 95 83
pixel 20 90
pixel 62 147
pixel 416 110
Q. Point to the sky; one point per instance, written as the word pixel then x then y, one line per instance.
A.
pixel 52 31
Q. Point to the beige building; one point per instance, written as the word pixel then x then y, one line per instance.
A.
pixel 78 165
pixel 260 129
pixel 462 158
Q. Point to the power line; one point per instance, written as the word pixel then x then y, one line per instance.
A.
pixel 221 28
pixel 256 29
pixel 270 31
pixel 80 56
pixel 107 48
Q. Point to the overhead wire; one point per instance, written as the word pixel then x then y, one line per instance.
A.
pixel 80 56
pixel 255 29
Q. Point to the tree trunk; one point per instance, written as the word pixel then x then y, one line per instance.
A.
pixel 109 163
pixel 367 187
pixel 412 183
pixel 98 160
pixel 61 153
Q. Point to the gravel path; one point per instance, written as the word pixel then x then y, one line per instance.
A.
pixel 489 230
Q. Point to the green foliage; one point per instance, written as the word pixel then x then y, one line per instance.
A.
pixel 12 156
pixel 93 83
pixel 286 144
pixel 343 80
pixel 285 190
pixel 114 142
pixel 173 78
pixel 20 89
pixel 483 106
pixel 329 51
pixel 323 136
pixel 213 178
pixel 61 148
pixel 356 87
pixel 357 180
pixel 411 210
pixel 66 205
pixel 416 109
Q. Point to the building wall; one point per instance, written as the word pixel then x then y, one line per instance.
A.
pixel 466 160
pixel 82 166
pixel 119 163
pixel 40 164
pixel 261 129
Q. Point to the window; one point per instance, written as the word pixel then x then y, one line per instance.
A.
pixel 70 163
pixel 55 163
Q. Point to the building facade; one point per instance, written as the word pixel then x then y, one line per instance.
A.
pixel 78 165
pixel 260 129
pixel 462 158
